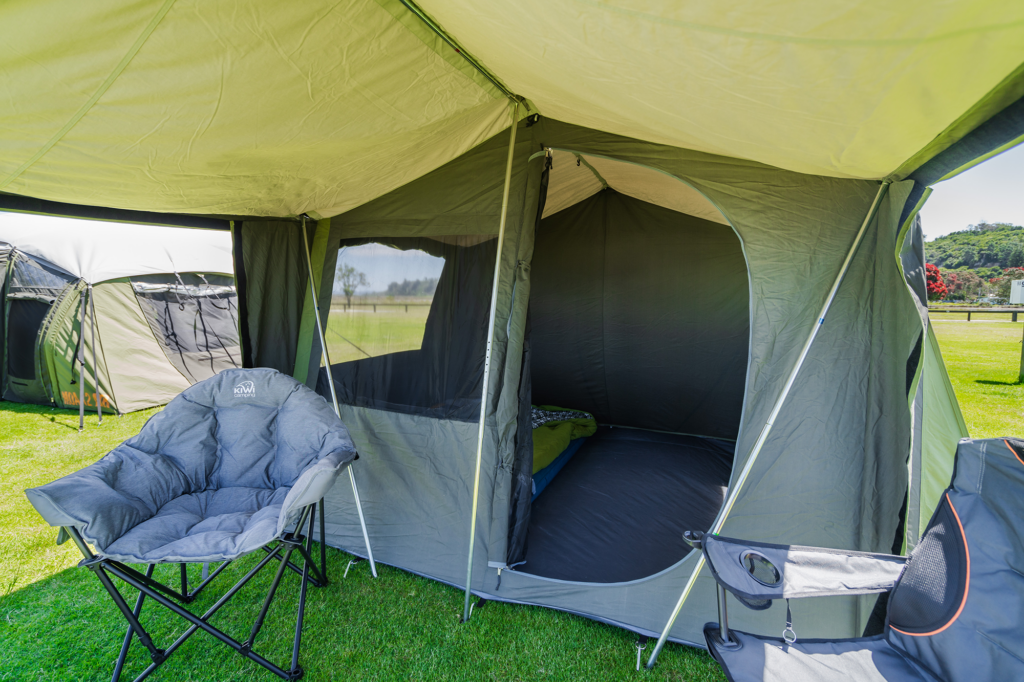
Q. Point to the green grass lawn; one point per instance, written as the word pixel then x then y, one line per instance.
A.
pixel 362 332
pixel 983 360
pixel 57 624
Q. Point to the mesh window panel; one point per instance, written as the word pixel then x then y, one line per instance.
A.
pixel 194 319
pixel 30 277
pixel 932 587
pixel 407 327
pixel 25 317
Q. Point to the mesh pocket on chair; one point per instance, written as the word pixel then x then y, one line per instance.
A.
pixel 934 584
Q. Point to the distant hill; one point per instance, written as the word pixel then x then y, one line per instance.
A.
pixel 986 248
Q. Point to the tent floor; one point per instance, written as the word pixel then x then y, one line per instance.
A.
pixel 618 509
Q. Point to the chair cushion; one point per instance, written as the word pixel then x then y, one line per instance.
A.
pixel 244 436
pixel 213 525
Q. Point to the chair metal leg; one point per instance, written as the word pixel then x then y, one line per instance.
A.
pixel 299 540
pixel 96 566
pixel 119 666
pixel 266 602
pixel 296 669
pixel 323 542
pixel 212 610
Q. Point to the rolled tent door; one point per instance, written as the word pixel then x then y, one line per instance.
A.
pixel 33 289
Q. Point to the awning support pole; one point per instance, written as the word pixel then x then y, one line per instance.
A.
pixel 334 397
pixel 95 362
pixel 763 436
pixel 81 365
pixel 487 362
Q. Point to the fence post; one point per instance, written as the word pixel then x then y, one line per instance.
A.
pixel 1020 374
pixel 1014 317
pixel 374 307
pixel 968 315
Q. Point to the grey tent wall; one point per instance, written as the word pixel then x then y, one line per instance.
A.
pixel 276 286
pixel 640 316
pixel 416 477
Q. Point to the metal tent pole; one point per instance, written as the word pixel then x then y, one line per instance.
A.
pixel 763 436
pixel 81 365
pixel 334 396
pixel 95 362
pixel 487 362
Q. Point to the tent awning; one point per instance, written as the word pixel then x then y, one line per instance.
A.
pixel 276 109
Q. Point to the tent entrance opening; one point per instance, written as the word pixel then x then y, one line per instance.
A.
pixel 639 316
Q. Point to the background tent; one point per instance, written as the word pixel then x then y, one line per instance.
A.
pixel 800 123
pixel 157 306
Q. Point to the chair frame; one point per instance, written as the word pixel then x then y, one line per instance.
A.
pixel 295 540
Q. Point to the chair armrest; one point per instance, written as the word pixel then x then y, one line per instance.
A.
pixel 758 571
pixel 110 497
pixel 312 484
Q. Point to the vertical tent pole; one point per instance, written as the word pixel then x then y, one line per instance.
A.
pixel 81 365
pixel 763 436
pixel 334 396
pixel 487 363
pixel 95 362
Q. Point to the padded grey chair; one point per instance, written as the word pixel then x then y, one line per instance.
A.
pixel 956 606
pixel 231 465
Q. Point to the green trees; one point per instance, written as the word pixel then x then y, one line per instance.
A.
pixel 350 280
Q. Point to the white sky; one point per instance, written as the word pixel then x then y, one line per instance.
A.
pixel 990 192
pixel 383 265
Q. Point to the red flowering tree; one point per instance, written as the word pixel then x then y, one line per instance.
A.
pixel 936 287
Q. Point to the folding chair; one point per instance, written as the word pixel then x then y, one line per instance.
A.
pixel 230 466
pixel 955 606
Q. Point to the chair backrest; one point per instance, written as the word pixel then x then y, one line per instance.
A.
pixel 254 428
pixel 959 605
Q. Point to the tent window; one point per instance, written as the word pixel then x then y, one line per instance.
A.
pixel 194 318
pixel 409 333
pixel 381 298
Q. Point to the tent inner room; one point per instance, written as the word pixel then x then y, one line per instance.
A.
pixel 639 327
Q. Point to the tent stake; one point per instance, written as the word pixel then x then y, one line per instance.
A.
pixel 95 363
pixel 334 396
pixel 81 365
pixel 487 363
pixel 763 436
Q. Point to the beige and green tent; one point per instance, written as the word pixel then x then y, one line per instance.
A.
pixel 696 222
pixel 113 317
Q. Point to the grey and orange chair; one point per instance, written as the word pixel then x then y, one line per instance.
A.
pixel 955 605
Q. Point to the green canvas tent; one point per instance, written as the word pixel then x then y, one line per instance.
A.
pixel 116 318
pixel 701 227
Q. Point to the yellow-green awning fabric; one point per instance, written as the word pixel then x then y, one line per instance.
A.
pixel 841 88
pixel 259 107
pixel 278 108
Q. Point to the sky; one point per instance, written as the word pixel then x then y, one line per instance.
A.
pixel 383 265
pixel 990 192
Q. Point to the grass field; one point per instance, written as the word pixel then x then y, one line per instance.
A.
pixel 983 359
pixel 56 624
pixel 363 332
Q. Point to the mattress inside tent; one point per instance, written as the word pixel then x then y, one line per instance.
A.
pixel 617 510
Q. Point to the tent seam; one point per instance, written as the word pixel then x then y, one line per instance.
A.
pixel 91 102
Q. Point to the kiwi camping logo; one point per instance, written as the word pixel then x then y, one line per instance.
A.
pixel 246 389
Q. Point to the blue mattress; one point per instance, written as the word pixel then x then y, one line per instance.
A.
pixel 548 473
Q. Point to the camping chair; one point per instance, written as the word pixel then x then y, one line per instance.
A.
pixel 955 607
pixel 231 465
